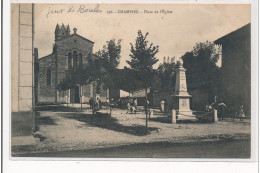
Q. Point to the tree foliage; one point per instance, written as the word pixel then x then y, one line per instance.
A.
pixel 110 54
pixel 143 58
pixel 80 76
pixel 166 74
pixel 202 71
pixel 143 54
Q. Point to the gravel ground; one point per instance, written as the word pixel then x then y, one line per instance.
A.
pixel 64 131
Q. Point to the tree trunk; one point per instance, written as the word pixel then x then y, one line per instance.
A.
pixel 93 102
pixel 110 109
pixel 67 98
pixel 80 97
pixel 59 98
pixel 146 109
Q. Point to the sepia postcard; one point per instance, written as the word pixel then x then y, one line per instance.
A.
pixel 131 81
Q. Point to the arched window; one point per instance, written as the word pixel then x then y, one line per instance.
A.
pixel 48 82
pixel 69 60
pixel 75 59
pixel 80 60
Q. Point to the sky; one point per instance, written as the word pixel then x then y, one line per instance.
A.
pixel 175 32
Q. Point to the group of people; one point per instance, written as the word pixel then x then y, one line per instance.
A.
pixel 124 103
pixel 121 103
pixel 95 104
pixel 224 110
pixel 132 106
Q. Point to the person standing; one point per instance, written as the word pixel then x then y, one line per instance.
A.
pixel 241 113
pixel 91 103
pixel 162 105
pixel 135 103
pixel 99 103
pixel 128 107
pixel 119 104
pixel 96 103
pixel 165 106
pixel 215 103
pixel 147 107
pixel 107 102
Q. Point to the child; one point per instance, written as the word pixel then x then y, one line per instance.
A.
pixel 128 107
pixel 133 110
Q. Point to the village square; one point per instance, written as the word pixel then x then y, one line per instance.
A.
pixel 197 105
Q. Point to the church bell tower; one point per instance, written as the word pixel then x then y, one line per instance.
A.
pixel 61 31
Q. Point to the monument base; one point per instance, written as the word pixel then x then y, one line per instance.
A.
pixel 185 115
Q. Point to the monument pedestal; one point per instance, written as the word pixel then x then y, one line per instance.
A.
pixel 183 111
pixel 185 115
pixel 181 97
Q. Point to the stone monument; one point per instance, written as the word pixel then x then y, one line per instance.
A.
pixel 181 97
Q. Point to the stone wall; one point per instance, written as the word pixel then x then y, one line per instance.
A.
pixel 236 65
pixel 72 43
pixel 46 94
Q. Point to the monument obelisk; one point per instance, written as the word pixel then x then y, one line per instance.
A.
pixel 181 97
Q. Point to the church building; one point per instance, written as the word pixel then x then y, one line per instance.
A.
pixel 69 51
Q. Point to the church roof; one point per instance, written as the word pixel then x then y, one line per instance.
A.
pixel 47 56
pixel 95 56
pixel 76 35
pixel 234 34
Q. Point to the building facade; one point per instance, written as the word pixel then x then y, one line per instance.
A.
pixel 69 51
pixel 236 66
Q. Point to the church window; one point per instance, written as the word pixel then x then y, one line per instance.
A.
pixel 80 60
pixel 48 77
pixel 69 61
pixel 75 59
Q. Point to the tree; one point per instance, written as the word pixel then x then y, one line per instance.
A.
pixel 110 57
pixel 77 76
pixel 110 54
pixel 202 71
pixel 142 55
pixel 142 59
pixel 166 74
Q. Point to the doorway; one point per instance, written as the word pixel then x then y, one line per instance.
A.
pixel 77 95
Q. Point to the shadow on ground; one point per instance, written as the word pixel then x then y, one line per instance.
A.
pixel 56 108
pixel 45 121
pixel 167 120
pixel 21 123
pixel 194 121
pixel 41 138
pixel 161 119
pixel 110 123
